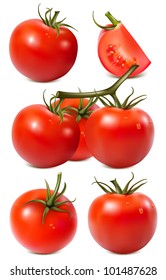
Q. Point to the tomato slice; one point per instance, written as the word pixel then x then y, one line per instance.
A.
pixel 118 50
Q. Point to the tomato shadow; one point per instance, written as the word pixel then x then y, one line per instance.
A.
pixel 37 167
pixel 43 82
pixel 141 75
pixel 116 168
pixel 122 254
pixel 44 254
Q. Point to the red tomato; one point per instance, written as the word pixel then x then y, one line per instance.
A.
pixel 82 151
pixel 42 139
pixel 119 137
pixel 43 236
pixel 122 223
pixel 118 50
pixel 40 53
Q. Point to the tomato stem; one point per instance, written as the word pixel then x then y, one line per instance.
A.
pixel 113 20
pixel 51 21
pixel 108 91
pixel 51 202
pixel 111 91
pixel 117 189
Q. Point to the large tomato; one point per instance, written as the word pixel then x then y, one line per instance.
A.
pixel 43 50
pixel 43 220
pixel 118 137
pixel 43 138
pixel 118 50
pixel 122 221
pixel 81 117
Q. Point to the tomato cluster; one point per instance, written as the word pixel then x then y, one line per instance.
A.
pixel 72 126
pixel 75 128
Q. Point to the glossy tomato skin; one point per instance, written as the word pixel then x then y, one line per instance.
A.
pixel 55 233
pixel 118 51
pixel 82 151
pixel 39 53
pixel 42 139
pixel 122 223
pixel 119 138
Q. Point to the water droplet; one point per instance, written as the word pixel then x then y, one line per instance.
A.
pixel 141 210
pixel 138 125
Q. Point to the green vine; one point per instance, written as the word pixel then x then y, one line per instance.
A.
pixel 111 92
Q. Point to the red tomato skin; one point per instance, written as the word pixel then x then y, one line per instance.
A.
pixel 118 51
pixel 119 138
pixel 57 232
pixel 122 223
pixel 39 53
pixel 42 139
pixel 82 151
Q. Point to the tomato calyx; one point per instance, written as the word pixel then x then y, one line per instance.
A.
pixel 55 107
pixel 114 21
pixel 111 91
pixel 117 189
pixel 51 20
pixel 83 111
pixel 51 202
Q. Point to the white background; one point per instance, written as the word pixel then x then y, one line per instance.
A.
pixel 146 22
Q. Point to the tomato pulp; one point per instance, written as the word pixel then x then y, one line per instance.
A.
pixel 118 50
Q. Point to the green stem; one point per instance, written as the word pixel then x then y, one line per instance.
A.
pixel 114 21
pixel 108 91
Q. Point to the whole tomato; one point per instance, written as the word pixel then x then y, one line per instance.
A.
pixel 43 49
pixel 44 138
pixel 117 134
pixel 81 108
pixel 122 221
pixel 42 220
pixel 118 50
pixel 119 137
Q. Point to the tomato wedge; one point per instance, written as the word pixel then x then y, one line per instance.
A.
pixel 118 50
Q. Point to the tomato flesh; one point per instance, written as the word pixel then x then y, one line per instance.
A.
pixel 118 51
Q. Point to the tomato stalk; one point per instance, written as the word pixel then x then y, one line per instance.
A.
pixel 51 202
pixel 117 189
pixel 51 21
pixel 111 91
pixel 113 20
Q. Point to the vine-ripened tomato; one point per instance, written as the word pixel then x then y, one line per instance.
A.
pixel 122 221
pixel 43 138
pixel 118 50
pixel 43 49
pixel 117 134
pixel 118 137
pixel 42 220
pixel 81 116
